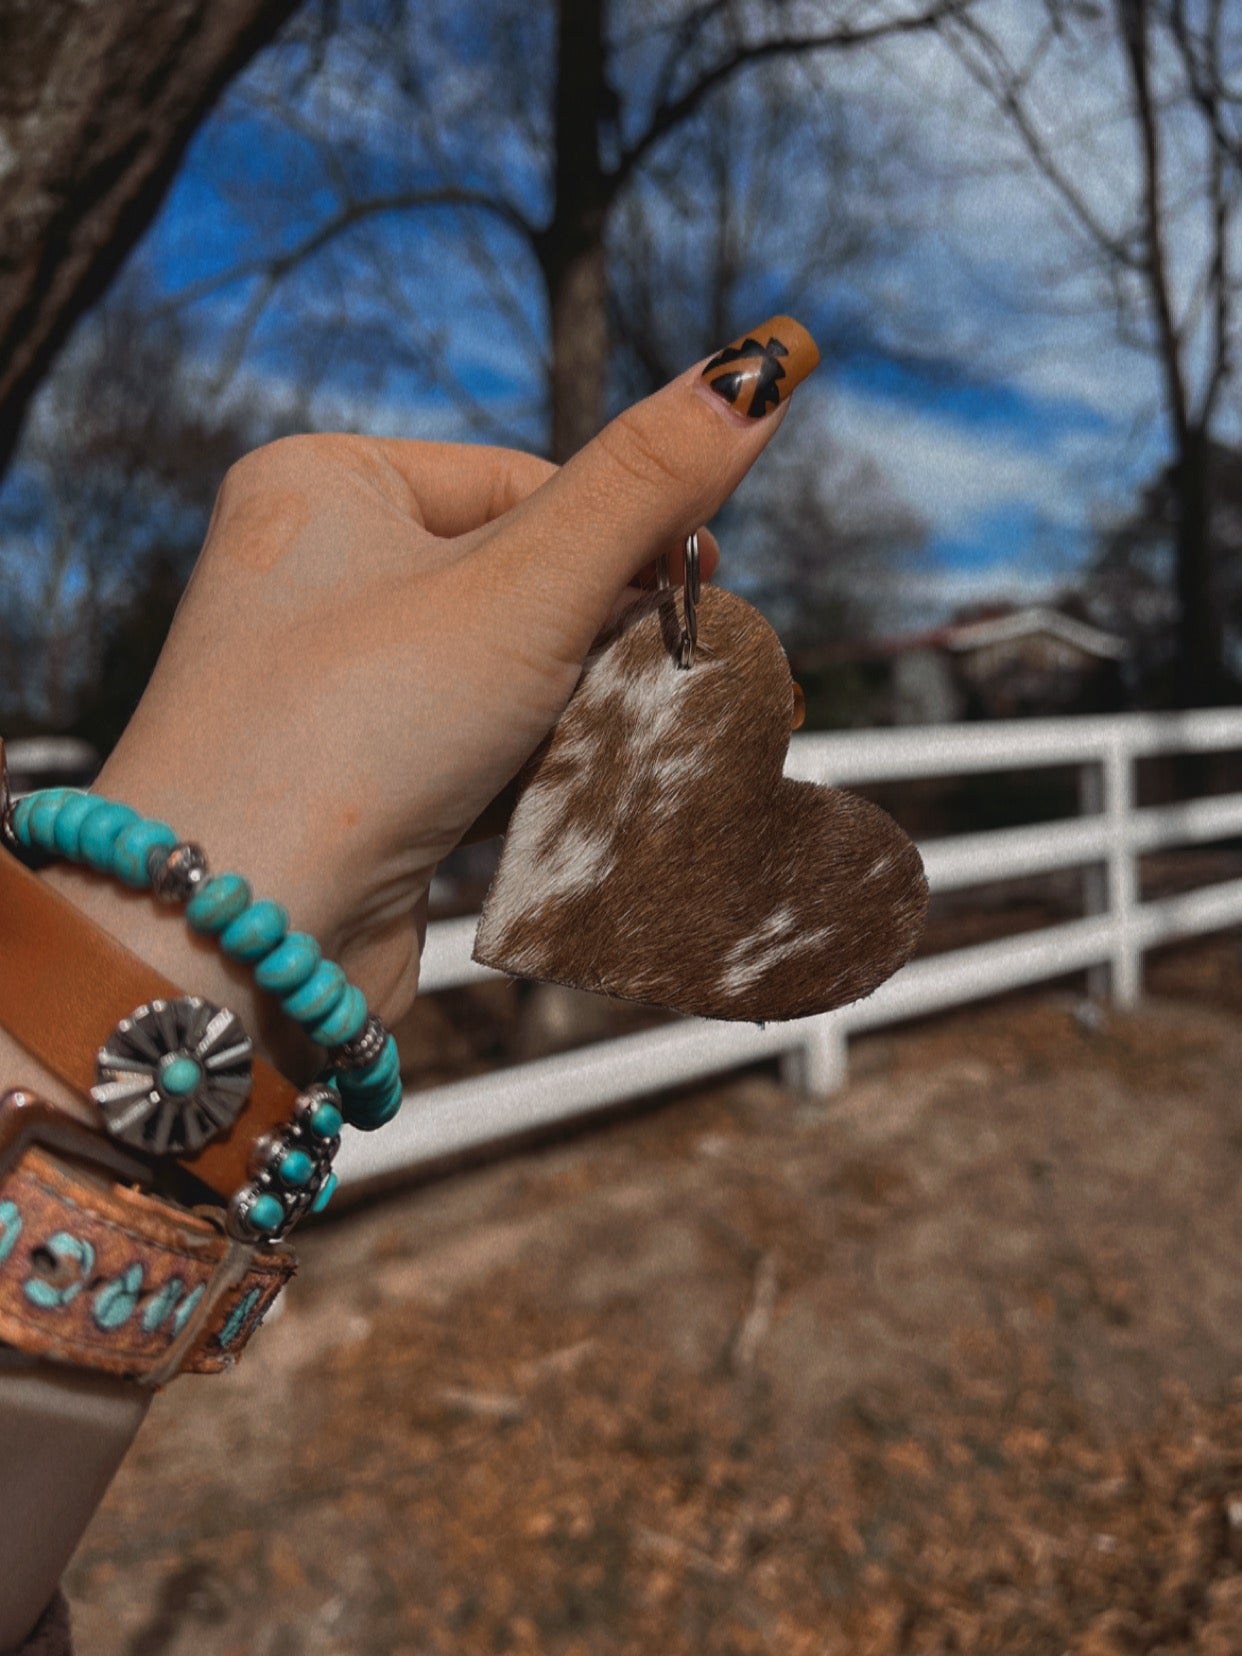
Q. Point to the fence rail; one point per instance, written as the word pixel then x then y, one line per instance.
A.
pixel 1106 840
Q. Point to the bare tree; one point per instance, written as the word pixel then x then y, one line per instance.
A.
pixel 540 162
pixel 105 508
pixel 97 105
pixel 1164 245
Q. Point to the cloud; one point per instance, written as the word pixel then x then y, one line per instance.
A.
pixel 955 474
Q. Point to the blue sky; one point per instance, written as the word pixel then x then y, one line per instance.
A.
pixel 1010 428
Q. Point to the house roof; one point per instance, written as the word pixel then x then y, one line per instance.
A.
pixel 1024 623
pixel 963 636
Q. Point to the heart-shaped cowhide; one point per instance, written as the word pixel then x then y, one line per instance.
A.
pixel 657 852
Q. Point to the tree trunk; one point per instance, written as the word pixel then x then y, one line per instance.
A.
pixel 577 299
pixel 97 106
pixel 571 249
pixel 1199 668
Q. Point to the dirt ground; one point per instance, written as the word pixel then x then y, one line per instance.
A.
pixel 948 1362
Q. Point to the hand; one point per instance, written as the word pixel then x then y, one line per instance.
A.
pixel 376 636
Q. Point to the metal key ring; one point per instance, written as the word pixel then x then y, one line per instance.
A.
pixel 690 631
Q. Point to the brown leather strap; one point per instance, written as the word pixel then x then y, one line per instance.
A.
pixel 65 984
pixel 107 1278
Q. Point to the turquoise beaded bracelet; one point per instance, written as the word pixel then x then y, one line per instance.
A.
pixel 361 1083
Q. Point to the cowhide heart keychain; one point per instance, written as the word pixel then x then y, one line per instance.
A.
pixel 657 853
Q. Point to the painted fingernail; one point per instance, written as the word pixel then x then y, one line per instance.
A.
pixel 759 372
pixel 799 707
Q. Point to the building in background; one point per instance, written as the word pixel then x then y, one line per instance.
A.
pixel 1003 663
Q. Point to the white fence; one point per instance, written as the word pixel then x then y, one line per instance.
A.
pixel 1107 840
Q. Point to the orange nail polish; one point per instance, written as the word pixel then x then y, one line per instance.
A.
pixel 759 372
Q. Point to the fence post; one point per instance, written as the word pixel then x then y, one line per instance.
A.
pixel 1095 876
pixel 820 1061
pixel 1127 958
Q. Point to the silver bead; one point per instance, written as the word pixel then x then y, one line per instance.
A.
pixel 177 871
pixel 365 1047
pixel 263 1153
pixel 7 835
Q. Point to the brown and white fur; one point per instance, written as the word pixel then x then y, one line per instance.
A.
pixel 658 853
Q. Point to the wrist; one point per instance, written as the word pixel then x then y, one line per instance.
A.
pixel 161 937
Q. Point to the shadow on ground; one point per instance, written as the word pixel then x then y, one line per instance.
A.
pixel 942 1364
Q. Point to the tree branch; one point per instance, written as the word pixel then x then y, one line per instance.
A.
pixel 278 265
pixel 1003 86
pixel 1132 16
pixel 1205 79
pixel 670 112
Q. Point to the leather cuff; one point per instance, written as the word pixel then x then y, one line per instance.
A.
pixel 105 1277
pixel 65 984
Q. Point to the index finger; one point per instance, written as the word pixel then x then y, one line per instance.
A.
pixel 460 487
pixel 463 486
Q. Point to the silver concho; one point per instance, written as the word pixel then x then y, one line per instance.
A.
pixel 147 1091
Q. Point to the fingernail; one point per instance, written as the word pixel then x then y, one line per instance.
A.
pixel 799 707
pixel 759 372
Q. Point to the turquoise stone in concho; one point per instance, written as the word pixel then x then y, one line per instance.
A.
pixel 295 1169
pixel 130 848
pixel 324 1121
pixel 256 931
pixel 289 965
pixel 324 1194
pixel 267 1214
pixel 218 903
pixel 180 1076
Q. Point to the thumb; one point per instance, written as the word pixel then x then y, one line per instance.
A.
pixel 652 476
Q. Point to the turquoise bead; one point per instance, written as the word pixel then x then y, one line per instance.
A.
pixel 100 831
pixel 295 1169
pixel 324 1121
pixel 267 1214
pixel 343 1021
pixel 43 815
pixel 256 931
pixel 73 813
pixel 218 903
pixel 25 815
pixel 364 1103
pixel 376 1107
pixel 325 1194
pixel 378 1070
pixel 378 1113
pixel 321 991
pixel 180 1076
pixel 289 964
pixel 129 851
